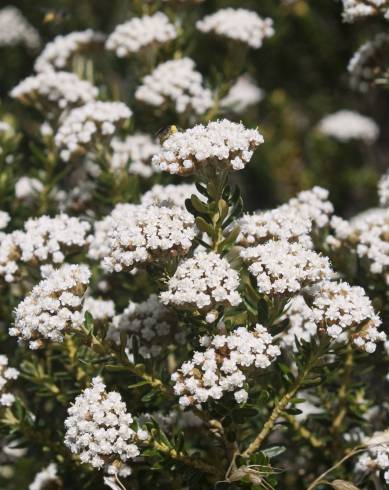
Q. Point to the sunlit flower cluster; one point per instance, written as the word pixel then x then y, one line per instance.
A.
pixel 283 268
pixel 59 89
pixel 98 429
pixel 136 152
pixel 27 187
pixel 313 204
pixel 348 125
pixel 154 233
pixel 221 144
pixel 6 374
pixel 221 366
pixel 240 25
pixel 4 219
pixel 175 83
pixel 340 308
pixel 15 29
pixel 53 307
pixel 203 282
pixel 86 124
pixel 141 33
pixel 282 223
pixel 57 54
pixel 153 324
pixel 42 240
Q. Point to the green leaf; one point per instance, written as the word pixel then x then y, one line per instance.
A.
pixel 204 226
pixel 199 205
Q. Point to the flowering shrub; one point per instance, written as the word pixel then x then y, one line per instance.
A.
pixel 157 329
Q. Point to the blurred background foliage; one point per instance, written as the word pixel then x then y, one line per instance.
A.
pixel 302 69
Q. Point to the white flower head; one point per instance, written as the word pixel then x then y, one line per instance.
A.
pixel 240 25
pixel 154 233
pixel 348 125
pixel 340 308
pixel 98 429
pixel 140 33
pixel 95 121
pixel 223 365
pixel 15 29
pixel 175 83
pixel 57 54
pixel 53 307
pixel 54 90
pixel 383 190
pixel 203 282
pixel 243 94
pixel 283 268
pixel 221 144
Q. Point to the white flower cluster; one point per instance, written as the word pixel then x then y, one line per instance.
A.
pixel 282 223
pixel 203 282
pixel 153 323
pixel 376 459
pixel 169 195
pixel 98 429
pixel 49 239
pixel 57 54
pixel 302 325
pixel 369 62
pixel 153 233
pixel 99 246
pixel 136 150
pixel 222 144
pixel 243 94
pixel 6 374
pixel 340 308
pixel 356 9
pixel 62 89
pixel 280 267
pixel 383 190
pixel 27 187
pixel 46 478
pixel 43 240
pixel 240 25
pixel 4 219
pixel 221 367
pixel 100 309
pixel 84 124
pixel 177 83
pixel 53 307
pixel 15 29
pixel 367 236
pixel 313 204
pixel 348 125
pixel 140 33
